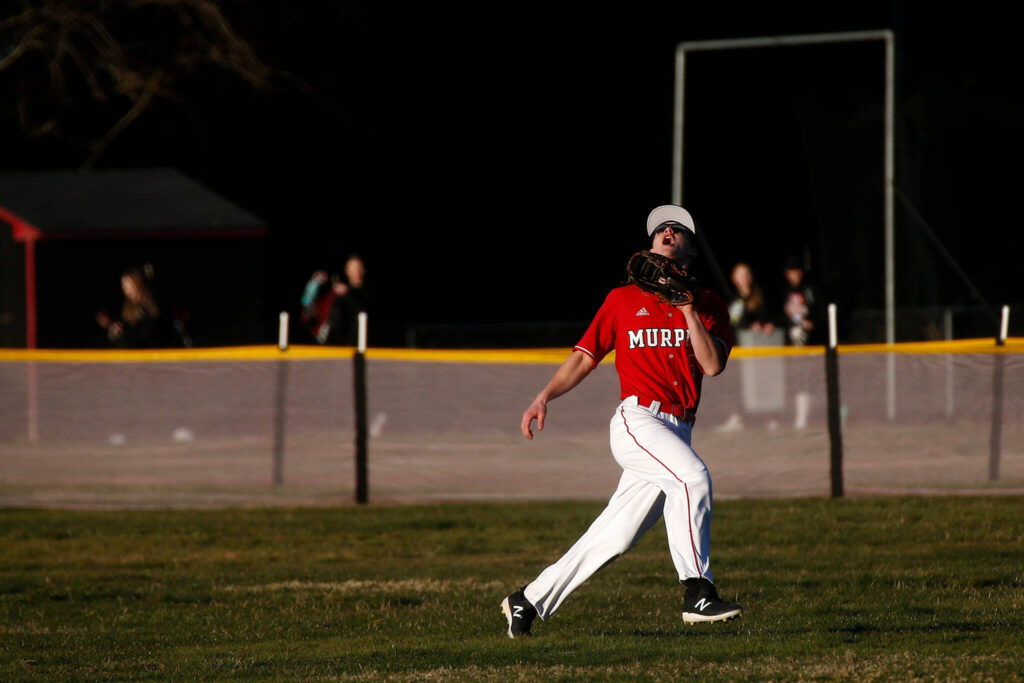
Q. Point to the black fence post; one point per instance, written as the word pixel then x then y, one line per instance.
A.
pixel 280 399
pixel 996 435
pixel 359 378
pixel 834 408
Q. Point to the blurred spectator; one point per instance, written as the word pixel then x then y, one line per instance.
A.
pixel 312 314
pixel 747 310
pixel 751 319
pixel 348 304
pixel 801 309
pixel 139 325
pixel 331 305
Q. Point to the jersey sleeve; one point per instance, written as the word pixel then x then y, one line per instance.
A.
pixel 714 313
pixel 599 339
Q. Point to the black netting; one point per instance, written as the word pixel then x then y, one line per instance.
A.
pixel 265 432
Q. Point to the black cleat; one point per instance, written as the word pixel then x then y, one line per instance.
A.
pixel 702 603
pixel 519 613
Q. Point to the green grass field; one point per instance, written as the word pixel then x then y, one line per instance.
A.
pixel 888 588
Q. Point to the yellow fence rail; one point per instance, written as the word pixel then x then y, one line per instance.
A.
pixel 541 356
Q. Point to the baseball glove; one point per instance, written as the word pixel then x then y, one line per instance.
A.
pixel 662 277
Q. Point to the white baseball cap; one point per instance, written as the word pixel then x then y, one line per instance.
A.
pixel 669 212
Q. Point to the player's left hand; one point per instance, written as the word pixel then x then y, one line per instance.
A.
pixel 661 276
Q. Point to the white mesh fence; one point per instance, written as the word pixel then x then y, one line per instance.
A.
pixel 183 432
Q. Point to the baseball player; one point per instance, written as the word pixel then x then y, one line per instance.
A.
pixel 662 352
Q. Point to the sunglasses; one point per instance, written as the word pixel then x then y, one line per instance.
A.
pixel 674 227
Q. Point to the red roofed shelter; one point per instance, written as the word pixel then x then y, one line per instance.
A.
pixel 107 217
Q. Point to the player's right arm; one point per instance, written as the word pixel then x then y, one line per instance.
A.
pixel 577 366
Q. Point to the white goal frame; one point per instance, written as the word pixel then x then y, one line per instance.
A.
pixel 808 39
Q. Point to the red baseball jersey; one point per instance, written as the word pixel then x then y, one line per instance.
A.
pixel 653 354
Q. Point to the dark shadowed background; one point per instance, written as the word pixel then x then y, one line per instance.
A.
pixel 494 162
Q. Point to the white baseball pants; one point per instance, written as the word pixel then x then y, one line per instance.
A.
pixel 661 475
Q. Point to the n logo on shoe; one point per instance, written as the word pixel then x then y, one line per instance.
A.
pixel 517 612
pixel 702 604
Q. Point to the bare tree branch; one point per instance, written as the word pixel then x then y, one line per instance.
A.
pixel 62 54
pixel 141 103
